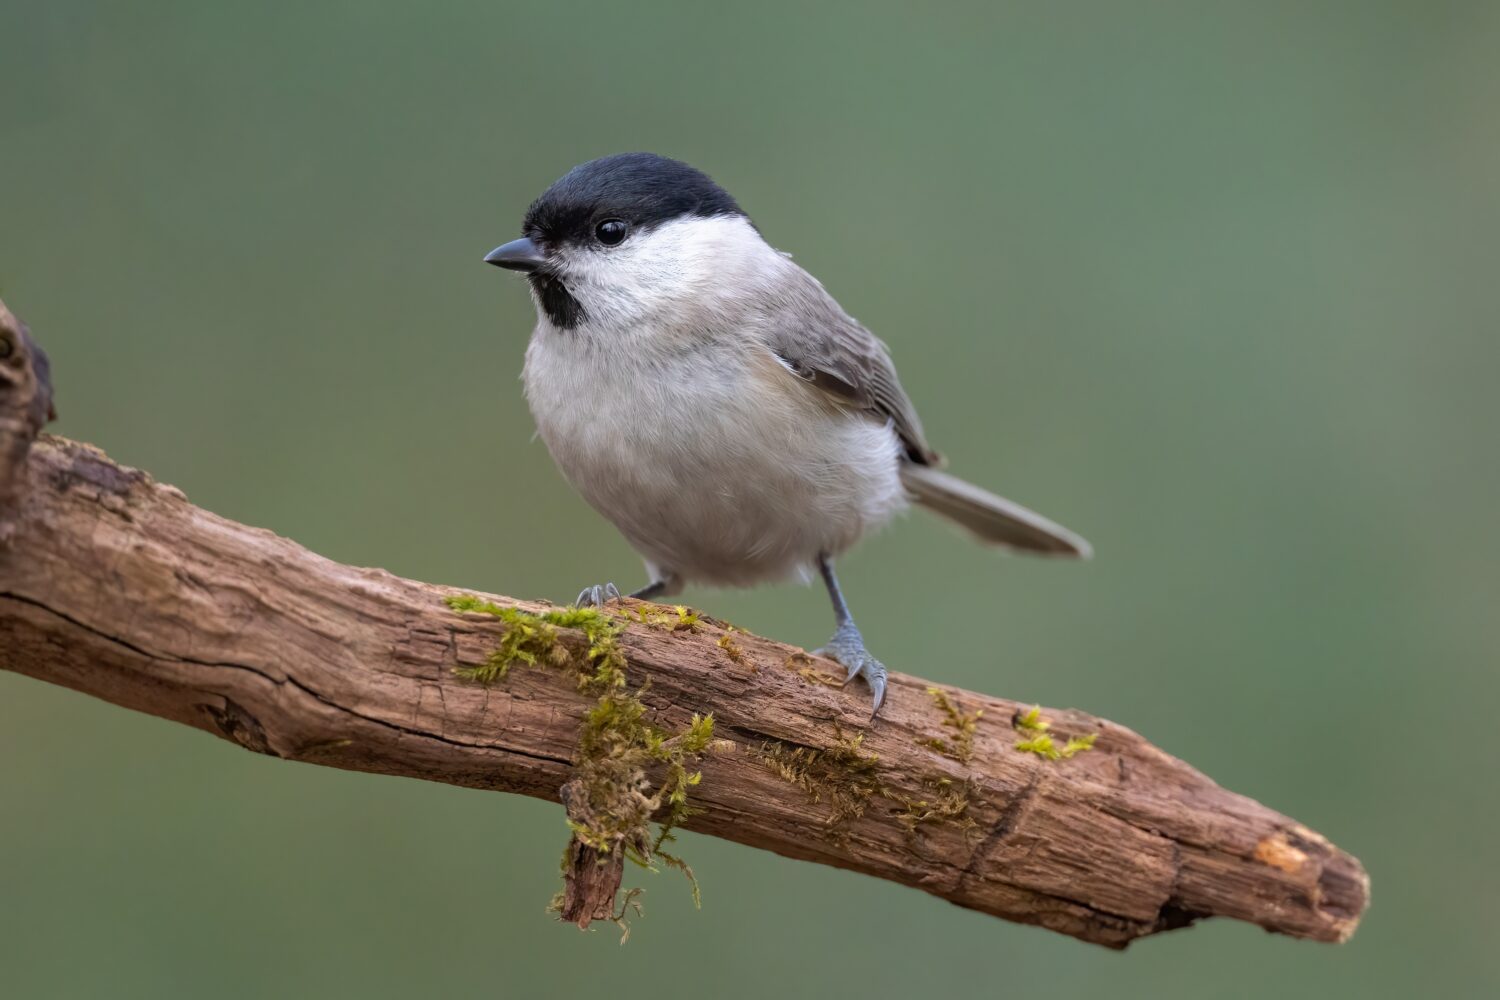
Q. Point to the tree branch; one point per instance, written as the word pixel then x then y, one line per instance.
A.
pixel 117 586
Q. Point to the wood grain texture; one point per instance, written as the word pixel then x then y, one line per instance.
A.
pixel 117 586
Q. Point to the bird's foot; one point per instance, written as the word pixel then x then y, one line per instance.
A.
pixel 597 595
pixel 848 647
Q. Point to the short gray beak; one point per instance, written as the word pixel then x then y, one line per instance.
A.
pixel 517 255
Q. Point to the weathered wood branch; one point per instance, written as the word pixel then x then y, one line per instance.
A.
pixel 117 586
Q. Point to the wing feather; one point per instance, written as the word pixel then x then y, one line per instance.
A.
pixel 825 346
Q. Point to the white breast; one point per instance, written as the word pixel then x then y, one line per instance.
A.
pixel 715 463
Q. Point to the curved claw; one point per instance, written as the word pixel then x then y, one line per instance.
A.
pixel 597 595
pixel 848 647
pixel 876 679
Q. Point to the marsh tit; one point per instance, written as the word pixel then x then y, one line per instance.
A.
pixel 707 396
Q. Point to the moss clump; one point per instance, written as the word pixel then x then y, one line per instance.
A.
pixel 1031 721
pixel 680 618
pixel 842 775
pixel 730 647
pixel 611 802
pixel 801 664
pixel 949 804
pixel 847 778
pixel 610 799
pixel 1078 744
pixel 964 725
pixel 530 638
pixel 1039 740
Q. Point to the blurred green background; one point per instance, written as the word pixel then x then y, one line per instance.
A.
pixel 1213 284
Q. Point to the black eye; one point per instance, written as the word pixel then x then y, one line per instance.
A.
pixel 611 232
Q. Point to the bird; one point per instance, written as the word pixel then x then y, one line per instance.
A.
pixel 708 397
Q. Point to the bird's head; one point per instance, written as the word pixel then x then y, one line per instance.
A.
pixel 633 240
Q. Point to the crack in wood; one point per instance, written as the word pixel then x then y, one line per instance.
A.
pixel 1005 824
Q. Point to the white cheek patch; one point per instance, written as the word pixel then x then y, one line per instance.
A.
pixel 663 275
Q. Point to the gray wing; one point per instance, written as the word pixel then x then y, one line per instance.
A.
pixel 823 345
pixel 828 348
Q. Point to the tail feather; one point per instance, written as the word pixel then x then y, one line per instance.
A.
pixel 991 518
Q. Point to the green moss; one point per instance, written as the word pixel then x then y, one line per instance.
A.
pixel 532 639
pixel 729 646
pixel 679 619
pixel 960 746
pixel 1040 745
pixel 1078 744
pixel 1040 742
pixel 610 799
pixel 1032 721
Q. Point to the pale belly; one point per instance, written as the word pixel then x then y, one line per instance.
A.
pixel 720 467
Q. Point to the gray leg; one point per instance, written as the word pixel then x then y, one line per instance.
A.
pixel 847 646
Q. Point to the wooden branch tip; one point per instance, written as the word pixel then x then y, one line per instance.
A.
pixel 247 636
